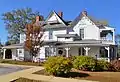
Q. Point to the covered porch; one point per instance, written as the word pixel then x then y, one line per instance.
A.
pixel 93 48
pixel 14 52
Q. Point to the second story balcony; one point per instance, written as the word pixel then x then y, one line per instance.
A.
pixel 107 36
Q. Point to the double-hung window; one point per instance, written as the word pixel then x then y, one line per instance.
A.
pixel 81 33
pixel 50 34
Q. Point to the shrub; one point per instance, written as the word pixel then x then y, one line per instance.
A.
pixel 84 63
pixel 102 65
pixel 115 65
pixel 58 65
pixel 72 58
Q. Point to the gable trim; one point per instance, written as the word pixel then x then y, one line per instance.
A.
pixel 57 17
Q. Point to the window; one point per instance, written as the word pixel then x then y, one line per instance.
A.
pixel 20 51
pixel 103 52
pixel 47 51
pixel 50 34
pixel 81 33
pixel 81 51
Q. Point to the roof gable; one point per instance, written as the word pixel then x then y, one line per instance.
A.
pixel 84 14
pixel 77 19
pixel 53 17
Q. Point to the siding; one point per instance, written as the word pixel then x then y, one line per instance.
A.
pixel 55 32
pixel 94 51
pixel 74 51
pixel 90 30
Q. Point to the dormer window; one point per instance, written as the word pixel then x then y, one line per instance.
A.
pixel 81 33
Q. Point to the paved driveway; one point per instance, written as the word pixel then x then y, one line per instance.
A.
pixel 28 74
pixel 9 69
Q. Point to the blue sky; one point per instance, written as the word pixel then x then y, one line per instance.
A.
pixel 100 9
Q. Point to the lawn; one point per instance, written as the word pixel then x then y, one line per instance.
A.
pixel 26 80
pixel 85 75
pixel 21 62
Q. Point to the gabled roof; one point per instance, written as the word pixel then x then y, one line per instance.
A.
pixel 55 26
pixel 76 20
pixel 84 13
pixel 58 18
pixel 20 45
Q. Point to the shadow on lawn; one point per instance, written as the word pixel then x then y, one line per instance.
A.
pixel 74 74
pixel 68 75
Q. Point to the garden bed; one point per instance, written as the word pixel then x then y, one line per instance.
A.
pixel 72 74
pixel 26 80
pixel 86 75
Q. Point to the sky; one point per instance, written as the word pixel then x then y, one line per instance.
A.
pixel 99 9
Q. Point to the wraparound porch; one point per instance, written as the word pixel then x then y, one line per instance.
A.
pixel 93 50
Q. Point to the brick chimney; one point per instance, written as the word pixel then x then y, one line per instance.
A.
pixel 60 14
pixel 37 18
pixel 84 13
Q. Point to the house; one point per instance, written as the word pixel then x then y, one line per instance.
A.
pixel 82 36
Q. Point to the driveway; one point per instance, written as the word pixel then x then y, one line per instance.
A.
pixel 9 69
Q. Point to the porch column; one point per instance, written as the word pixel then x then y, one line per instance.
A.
pixel 56 53
pixel 108 49
pixel 86 50
pixel 113 35
pixel 115 52
pixel 67 51
pixel 4 53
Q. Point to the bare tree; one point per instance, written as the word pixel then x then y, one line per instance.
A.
pixel 117 38
pixel 34 41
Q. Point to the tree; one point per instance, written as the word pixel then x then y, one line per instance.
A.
pixel 7 43
pixel 97 21
pixel 1 51
pixel 16 20
pixel 117 38
pixel 34 41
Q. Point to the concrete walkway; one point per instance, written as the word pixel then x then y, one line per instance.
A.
pixel 27 73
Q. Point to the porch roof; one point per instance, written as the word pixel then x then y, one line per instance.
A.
pixel 86 41
pixel 82 45
pixel 76 43
pixel 66 35
pixel 21 45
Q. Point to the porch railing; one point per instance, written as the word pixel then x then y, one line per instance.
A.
pixel 106 59
pixel 107 41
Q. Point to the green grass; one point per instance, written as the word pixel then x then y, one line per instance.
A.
pixel 21 62
pixel 26 80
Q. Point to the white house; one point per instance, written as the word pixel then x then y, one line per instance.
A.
pixel 82 36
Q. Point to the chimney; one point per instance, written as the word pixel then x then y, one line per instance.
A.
pixel 84 13
pixel 37 18
pixel 60 14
